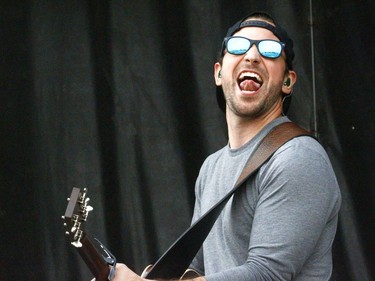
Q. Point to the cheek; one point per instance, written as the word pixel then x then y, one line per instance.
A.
pixel 276 73
pixel 229 63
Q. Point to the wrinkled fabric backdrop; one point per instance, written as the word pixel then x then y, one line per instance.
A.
pixel 119 97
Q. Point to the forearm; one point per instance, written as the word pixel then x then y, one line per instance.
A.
pixel 123 273
pixel 201 278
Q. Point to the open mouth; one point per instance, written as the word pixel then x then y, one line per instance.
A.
pixel 249 81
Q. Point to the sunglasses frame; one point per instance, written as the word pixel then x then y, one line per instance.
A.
pixel 252 42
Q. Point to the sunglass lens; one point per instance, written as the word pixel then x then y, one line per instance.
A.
pixel 238 46
pixel 270 49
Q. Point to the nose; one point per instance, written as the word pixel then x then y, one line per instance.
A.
pixel 252 55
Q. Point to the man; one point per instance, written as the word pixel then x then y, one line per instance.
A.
pixel 281 226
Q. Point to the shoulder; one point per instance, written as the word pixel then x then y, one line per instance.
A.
pixel 300 166
pixel 209 165
pixel 300 156
pixel 303 150
pixel 212 160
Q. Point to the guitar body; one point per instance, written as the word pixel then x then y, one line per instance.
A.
pixel 188 274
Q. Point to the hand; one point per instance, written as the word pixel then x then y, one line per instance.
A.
pixel 123 273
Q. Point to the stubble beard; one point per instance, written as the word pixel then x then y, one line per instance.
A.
pixel 253 107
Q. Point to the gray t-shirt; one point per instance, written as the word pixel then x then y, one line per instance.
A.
pixel 281 225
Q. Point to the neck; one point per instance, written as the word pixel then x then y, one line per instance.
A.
pixel 242 130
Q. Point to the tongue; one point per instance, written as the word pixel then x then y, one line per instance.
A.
pixel 249 85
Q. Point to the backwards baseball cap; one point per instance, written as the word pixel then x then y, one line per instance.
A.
pixel 258 19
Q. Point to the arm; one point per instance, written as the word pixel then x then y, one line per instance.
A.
pixel 295 216
pixel 123 273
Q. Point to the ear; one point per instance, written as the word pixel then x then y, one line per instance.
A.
pixel 290 79
pixel 217 74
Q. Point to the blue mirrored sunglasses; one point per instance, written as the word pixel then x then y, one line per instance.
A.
pixel 238 45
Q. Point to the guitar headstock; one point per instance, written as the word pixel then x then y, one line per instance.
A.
pixel 76 214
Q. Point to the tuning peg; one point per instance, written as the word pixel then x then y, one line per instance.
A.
pixel 77 239
pixel 77 244
pixel 63 217
pixel 68 199
pixel 67 233
pixel 89 208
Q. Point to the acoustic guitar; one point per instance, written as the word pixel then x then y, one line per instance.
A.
pixel 97 257
pixel 100 261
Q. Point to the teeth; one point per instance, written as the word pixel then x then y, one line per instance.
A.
pixel 250 74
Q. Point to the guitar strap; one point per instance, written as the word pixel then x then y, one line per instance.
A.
pixel 173 263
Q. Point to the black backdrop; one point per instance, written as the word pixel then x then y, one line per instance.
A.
pixel 119 97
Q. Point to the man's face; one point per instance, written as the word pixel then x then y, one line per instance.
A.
pixel 252 84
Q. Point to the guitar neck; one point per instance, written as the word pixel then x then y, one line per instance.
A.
pixel 93 259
